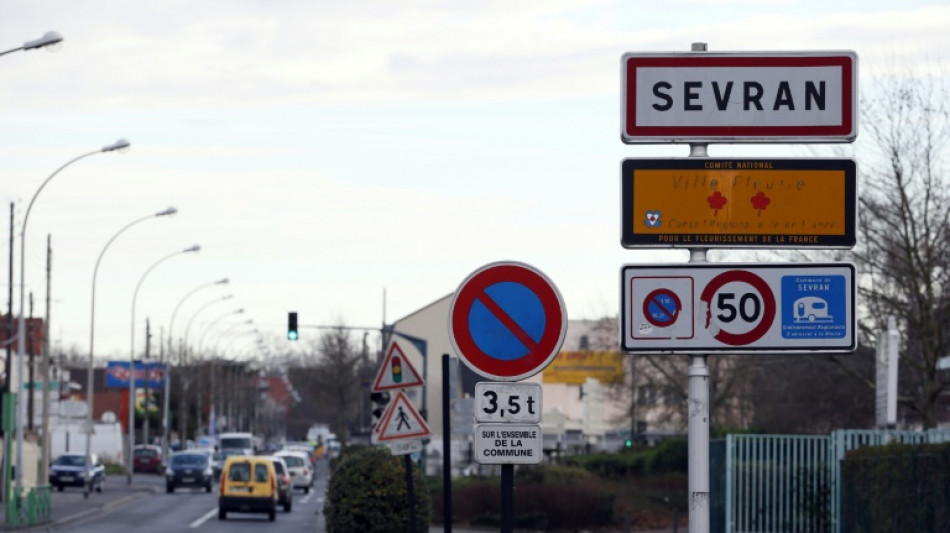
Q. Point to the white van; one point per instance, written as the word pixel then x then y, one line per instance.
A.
pixel 237 441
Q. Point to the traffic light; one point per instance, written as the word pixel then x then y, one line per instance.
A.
pixel 628 443
pixel 292 326
pixel 380 399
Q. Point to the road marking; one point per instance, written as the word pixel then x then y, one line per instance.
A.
pixel 203 519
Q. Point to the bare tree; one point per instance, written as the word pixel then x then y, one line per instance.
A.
pixel 336 376
pixel 904 216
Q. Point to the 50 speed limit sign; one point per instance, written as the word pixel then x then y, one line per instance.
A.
pixel 796 307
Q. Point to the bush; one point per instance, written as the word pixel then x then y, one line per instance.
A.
pixel 547 501
pixel 368 493
pixel 898 487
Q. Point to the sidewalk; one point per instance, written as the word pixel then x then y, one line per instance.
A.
pixel 70 505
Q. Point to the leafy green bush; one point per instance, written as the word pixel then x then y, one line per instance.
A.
pixel 667 457
pixel 368 493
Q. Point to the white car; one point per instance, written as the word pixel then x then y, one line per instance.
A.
pixel 301 472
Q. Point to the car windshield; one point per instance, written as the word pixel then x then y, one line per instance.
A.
pixel 190 459
pixel 146 452
pixel 292 460
pixel 70 460
pixel 279 467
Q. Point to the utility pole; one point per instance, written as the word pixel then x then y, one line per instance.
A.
pixel 43 474
pixel 29 372
pixel 148 343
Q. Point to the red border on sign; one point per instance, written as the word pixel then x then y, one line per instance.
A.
pixel 539 356
pixel 845 62
pixel 768 306
pixel 415 380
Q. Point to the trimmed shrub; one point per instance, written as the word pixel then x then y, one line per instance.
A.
pixel 898 487
pixel 556 505
pixel 368 493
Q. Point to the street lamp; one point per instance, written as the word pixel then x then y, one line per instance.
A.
pixel 183 356
pixel 92 336
pixel 49 40
pixel 135 296
pixel 201 342
pixel 21 326
pixel 165 402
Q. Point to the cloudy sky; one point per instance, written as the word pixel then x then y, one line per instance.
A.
pixel 323 152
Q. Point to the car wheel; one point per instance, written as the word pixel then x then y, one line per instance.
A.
pixel 222 514
pixel 272 515
pixel 208 486
pixel 169 488
pixel 99 487
pixel 288 506
pixel 59 488
pixel 306 490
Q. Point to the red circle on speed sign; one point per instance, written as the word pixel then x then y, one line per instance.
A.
pixel 768 306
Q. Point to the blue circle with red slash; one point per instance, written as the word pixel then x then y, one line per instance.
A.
pixel 507 321
pixel 661 307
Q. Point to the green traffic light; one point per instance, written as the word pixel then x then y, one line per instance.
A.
pixel 628 443
pixel 292 335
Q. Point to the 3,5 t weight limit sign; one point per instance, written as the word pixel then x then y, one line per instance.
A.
pixel 507 402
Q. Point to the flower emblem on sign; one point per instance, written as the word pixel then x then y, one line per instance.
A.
pixel 716 201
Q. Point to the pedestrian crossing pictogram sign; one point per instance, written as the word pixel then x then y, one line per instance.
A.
pixel 400 421
pixel 396 372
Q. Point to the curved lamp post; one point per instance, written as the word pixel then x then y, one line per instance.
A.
pixel 201 342
pixel 183 357
pixel 21 326
pixel 92 334
pixel 165 403
pixel 49 40
pixel 212 422
pixel 135 296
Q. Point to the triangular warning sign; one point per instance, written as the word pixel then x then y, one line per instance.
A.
pixel 400 421
pixel 396 372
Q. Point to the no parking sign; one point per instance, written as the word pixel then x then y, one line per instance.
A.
pixel 507 321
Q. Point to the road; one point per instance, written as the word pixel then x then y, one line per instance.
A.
pixel 145 507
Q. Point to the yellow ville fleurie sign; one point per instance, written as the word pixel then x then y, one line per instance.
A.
pixel 573 368
pixel 735 203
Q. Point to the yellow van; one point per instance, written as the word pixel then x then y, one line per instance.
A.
pixel 248 485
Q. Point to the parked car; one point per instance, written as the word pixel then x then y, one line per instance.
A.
pixel 301 470
pixel 68 470
pixel 285 488
pixel 248 485
pixel 189 468
pixel 147 458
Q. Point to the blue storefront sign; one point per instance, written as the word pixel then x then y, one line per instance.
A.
pixel 117 374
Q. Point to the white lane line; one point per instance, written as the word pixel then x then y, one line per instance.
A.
pixel 203 519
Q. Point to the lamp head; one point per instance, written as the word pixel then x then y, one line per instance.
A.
pixel 194 248
pixel 49 40
pixel 239 311
pixel 121 145
pixel 167 211
pixel 223 281
pixel 228 297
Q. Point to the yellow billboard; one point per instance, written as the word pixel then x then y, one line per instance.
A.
pixel 573 368
pixel 773 203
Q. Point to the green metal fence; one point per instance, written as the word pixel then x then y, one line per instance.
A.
pixel 791 483
pixel 29 507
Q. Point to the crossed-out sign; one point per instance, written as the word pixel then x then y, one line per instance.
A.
pixel 738 307
pixel 507 321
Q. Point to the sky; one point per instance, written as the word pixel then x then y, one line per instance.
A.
pixel 352 161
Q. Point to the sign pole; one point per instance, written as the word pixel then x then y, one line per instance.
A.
pixel 698 402
pixel 446 448
pixel 507 498
pixel 411 494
